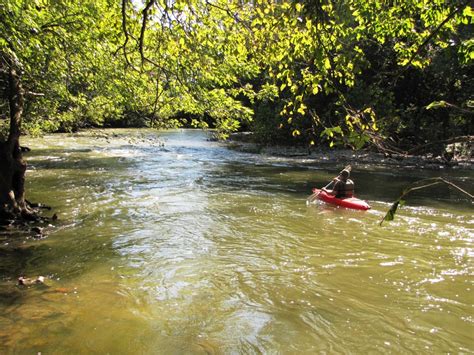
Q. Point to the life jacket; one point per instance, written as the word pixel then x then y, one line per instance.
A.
pixel 349 188
pixel 346 189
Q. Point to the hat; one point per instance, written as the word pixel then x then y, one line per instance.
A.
pixel 345 173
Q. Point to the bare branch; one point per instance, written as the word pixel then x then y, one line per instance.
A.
pixel 37 94
pixel 445 141
pixel 58 21
pixel 125 31
pixel 418 185
pixel 231 14
pixel 457 187
pixel 143 29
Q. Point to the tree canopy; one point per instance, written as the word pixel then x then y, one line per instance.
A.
pixel 352 73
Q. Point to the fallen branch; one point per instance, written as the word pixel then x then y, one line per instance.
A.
pixel 423 147
pixel 390 215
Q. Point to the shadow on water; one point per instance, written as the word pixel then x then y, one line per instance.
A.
pixel 381 185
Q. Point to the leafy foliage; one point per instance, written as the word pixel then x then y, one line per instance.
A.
pixel 301 72
pixel 72 74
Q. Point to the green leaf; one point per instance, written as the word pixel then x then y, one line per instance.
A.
pixel 391 212
pixel 436 104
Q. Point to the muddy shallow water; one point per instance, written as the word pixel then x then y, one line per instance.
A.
pixel 169 243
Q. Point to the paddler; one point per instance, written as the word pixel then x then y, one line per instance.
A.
pixel 342 186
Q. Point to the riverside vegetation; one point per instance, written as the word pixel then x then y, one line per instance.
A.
pixel 388 75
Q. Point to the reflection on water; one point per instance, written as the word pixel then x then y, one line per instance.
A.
pixel 186 247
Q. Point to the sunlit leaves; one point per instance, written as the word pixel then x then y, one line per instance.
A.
pixel 66 50
pixel 218 59
pixel 436 104
pixel 412 24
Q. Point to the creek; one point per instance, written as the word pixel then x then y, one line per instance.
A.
pixel 168 243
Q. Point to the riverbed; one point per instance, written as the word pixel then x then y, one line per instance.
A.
pixel 169 243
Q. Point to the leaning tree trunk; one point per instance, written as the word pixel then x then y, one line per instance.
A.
pixel 12 165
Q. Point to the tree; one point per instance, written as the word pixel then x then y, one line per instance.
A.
pixel 351 71
pixel 198 55
pixel 56 71
pixel 326 71
pixel 12 166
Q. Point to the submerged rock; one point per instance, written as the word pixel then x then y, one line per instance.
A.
pixel 25 281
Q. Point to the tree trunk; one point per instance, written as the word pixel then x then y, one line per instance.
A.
pixel 12 165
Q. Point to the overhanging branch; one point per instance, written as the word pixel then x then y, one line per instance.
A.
pixel 143 29
pixel 418 185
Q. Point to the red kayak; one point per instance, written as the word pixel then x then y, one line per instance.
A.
pixel 348 202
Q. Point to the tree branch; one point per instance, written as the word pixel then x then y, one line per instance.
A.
pixel 143 29
pixel 418 185
pixel 125 31
pixel 445 141
pixel 37 94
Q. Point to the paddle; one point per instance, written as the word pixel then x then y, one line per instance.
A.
pixel 315 195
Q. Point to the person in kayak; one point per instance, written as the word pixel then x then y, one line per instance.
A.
pixel 342 186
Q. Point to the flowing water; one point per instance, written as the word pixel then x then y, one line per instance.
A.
pixel 167 243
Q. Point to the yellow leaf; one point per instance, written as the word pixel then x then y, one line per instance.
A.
pixel 327 63
pixel 302 109
pixel 468 11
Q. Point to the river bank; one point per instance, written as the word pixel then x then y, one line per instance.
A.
pixel 242 142
pixel 303 155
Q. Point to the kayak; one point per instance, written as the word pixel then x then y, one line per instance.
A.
pixel 348 202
